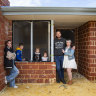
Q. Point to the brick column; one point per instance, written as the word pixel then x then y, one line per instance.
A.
pixel 87 50
pixel 10 30
pixel 76 44
pixel 3 37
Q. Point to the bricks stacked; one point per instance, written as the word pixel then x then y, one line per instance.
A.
pixel 76 44
pixel 4 3
pixel 87 50
pixel 3 36
pixel 10 30
pixel 36 72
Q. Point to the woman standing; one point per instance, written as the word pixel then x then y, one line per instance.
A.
pixel 9 64
pixel 69 60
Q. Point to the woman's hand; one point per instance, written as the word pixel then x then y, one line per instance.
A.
pixel 63 51
pixel 73 47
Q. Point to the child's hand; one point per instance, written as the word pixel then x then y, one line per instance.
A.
pixel 23 59
pixel 63 51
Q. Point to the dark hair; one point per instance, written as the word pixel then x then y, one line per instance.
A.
pixel 21 44
pixel 37 48
pixel 58 31
pixel 7 42
pixel 45 51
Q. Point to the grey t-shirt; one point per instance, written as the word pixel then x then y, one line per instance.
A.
pixel 59 44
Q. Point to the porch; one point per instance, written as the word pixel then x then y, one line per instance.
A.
pixel 81 87
pixel 79 21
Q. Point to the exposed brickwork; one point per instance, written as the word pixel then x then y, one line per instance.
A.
pixel 45 72
pixel 86 50
pixel 3 37
pixel 4 3
pixel 36 72
pixel 76 44
pixel 10 30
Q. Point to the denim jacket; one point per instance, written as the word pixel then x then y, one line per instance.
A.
pixel 70 53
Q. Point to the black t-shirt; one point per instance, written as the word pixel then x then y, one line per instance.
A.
pixel 59 44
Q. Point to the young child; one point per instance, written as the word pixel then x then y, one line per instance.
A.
pixel 37 55
pixel 69 60
pixel 45 58
pixel 19 52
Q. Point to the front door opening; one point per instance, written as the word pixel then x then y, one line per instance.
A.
pixel 68 34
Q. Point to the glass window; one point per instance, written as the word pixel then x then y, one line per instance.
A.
pixel 21 34
pixel 41 36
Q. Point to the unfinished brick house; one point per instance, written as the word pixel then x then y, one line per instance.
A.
pixel 35 27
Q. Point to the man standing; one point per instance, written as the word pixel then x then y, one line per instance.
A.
pixel 59 44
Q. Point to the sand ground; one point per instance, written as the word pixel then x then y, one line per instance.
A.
pixel 80 87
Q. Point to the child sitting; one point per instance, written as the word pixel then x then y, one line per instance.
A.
pixel 45 58
pixel 37 55
pixel 19 52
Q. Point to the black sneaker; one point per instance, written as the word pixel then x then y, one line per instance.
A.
pixel 63 81
pixel 58 81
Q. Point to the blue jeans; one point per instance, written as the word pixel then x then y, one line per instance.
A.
pixel 59 66
pixel 13 74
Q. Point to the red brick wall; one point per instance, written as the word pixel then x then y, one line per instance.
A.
pixel 86 50
pixel 4 3
pixel 3 37
pixel 10 30
pixel 36 72
pixel 76 44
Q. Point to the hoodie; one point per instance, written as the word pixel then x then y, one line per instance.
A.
pixel 59 44
pixel 18 54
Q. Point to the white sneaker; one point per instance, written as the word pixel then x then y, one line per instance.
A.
pixel 5 80
pixel 15 86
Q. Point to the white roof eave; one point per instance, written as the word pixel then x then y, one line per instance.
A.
pixel 47 11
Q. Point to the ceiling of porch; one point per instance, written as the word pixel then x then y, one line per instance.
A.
pixel 68 18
